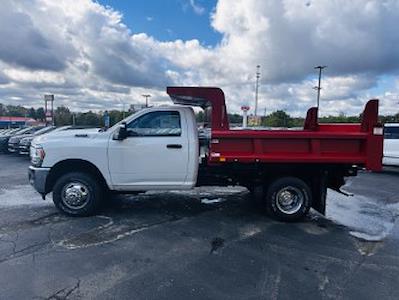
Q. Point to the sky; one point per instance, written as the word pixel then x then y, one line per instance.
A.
pixel 98 55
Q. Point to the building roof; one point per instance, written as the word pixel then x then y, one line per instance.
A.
pixel 15 119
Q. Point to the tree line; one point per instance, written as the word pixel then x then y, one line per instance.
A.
pixel 280 118
pixel 63 116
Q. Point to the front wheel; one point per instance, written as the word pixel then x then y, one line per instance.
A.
pixel 77 194
pixel 288 199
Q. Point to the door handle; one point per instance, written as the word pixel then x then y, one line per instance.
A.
pixel 174 146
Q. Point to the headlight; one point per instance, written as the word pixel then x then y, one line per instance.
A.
pixel 37 155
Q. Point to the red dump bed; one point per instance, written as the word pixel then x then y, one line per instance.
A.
pixel 354 144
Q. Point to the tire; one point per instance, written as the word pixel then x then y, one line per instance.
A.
pixel 78 194
pixel 288 199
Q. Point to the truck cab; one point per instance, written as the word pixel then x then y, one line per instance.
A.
pixel 154 149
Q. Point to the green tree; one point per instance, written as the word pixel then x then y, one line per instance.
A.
pixel 200 116
pixel 278 118
pixel 32 113
pixel 62 116
pixel 16 111
pixel 89 119
pixel 40 115
pixel 115 116
pixel 3 110
pixel 235 118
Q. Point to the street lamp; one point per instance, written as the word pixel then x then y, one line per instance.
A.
pixel 318 88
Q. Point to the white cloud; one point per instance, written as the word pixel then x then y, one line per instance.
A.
pixel 198 9
pixel 82 52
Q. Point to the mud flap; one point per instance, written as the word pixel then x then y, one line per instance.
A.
pixel 320 194
pixel 320 186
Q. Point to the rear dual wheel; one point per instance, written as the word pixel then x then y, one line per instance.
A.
pixel 286 199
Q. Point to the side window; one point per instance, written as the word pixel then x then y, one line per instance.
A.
pixel 157 123
pixel 391 132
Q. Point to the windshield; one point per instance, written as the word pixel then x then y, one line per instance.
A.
pixel 22 131
pixel 391 132
pixel 132 116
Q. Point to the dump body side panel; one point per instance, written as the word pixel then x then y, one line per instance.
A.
pixel 357 144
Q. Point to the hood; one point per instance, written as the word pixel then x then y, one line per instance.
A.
pixel 17 138
pixel 68 134
pixel 8 134
pixel 27 139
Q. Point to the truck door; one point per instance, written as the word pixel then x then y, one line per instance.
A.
pixel 155 154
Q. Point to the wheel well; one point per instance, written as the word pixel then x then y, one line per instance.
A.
pixel 73 165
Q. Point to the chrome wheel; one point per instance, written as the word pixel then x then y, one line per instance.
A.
pixel 75 195
pixel 289 200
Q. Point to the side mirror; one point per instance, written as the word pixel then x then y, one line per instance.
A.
pixel 121 133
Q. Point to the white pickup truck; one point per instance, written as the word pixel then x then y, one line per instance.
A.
pixel 160 148
pixel 391 144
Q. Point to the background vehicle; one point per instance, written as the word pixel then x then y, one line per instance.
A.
pixel 391 144
pixel 287 172
pixel 8 134
pixel 13 142
pixel 24 144
pixel 22 147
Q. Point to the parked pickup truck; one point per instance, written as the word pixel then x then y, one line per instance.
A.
pixel 286 171
pixel 391 144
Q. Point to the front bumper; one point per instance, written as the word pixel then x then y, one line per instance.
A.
pixel 38 178
pixel 12 148
pixel 24 149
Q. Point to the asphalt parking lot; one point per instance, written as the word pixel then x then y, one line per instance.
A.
pixel 210 243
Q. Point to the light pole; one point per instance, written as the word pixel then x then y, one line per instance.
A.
pixel 146 96
pixel 257 89
pixel 318 87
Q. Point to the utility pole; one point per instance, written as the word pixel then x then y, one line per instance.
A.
pixel 318 88
pixel 257 89
pixel 146 96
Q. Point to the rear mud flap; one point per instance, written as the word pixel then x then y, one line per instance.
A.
pixel 320 191
pixel 320 194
